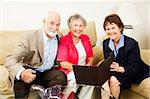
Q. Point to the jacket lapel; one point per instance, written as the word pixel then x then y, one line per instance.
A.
pixel 40 44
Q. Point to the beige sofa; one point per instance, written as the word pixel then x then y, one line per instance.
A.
pixel 9 39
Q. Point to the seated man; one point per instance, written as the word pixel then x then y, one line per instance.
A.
pixel 33 60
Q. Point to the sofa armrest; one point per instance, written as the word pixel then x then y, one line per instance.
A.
pixel 98 54
pixel 145 55
pixel 143 88
pixel 5 85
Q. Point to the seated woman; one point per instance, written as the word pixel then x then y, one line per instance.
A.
pixel 75 48
pixel 127 67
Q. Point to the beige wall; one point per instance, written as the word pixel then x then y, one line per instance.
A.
pixel 142 32
pixel 148 24
pixel 18 15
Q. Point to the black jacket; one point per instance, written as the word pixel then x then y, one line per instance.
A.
pixel 129 57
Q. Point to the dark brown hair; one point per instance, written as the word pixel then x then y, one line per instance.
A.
pixel 113 18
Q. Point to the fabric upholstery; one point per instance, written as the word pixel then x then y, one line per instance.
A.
pixel 9 39
pixel 5 84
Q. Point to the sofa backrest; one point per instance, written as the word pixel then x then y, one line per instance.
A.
pixel 9 39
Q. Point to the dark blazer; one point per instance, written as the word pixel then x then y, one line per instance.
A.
pixel 128 57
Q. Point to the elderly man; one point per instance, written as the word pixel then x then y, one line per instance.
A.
pixel 32 62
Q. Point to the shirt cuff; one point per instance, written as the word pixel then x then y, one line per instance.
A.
pixel 19 73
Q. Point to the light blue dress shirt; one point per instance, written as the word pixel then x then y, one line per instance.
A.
pixel 120 44
pixel 50 52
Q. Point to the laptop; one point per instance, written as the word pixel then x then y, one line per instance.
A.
pixel 96 76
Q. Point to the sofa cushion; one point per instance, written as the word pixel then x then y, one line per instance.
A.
pixel 98 54
pixel 145 55
pixel 143 88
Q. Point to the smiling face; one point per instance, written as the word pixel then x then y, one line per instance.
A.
pixel 52 24
pixel 113 26
pixel 76 27
pixel 76 24
pixel 113 31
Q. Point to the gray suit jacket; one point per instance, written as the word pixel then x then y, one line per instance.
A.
pixel 32 43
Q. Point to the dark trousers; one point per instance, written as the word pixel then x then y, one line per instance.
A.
pixel 46 79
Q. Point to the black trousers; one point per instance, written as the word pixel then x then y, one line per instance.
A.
pixel 46 79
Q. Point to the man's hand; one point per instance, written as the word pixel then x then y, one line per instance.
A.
pixel 27 75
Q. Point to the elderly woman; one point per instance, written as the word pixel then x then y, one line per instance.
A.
pixel 75 48
pixel 127 67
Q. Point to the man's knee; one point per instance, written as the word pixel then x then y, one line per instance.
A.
pixel 55 77
pixel 61 77
pixel 21 89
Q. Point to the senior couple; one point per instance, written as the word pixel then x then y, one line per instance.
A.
pixel 34 59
